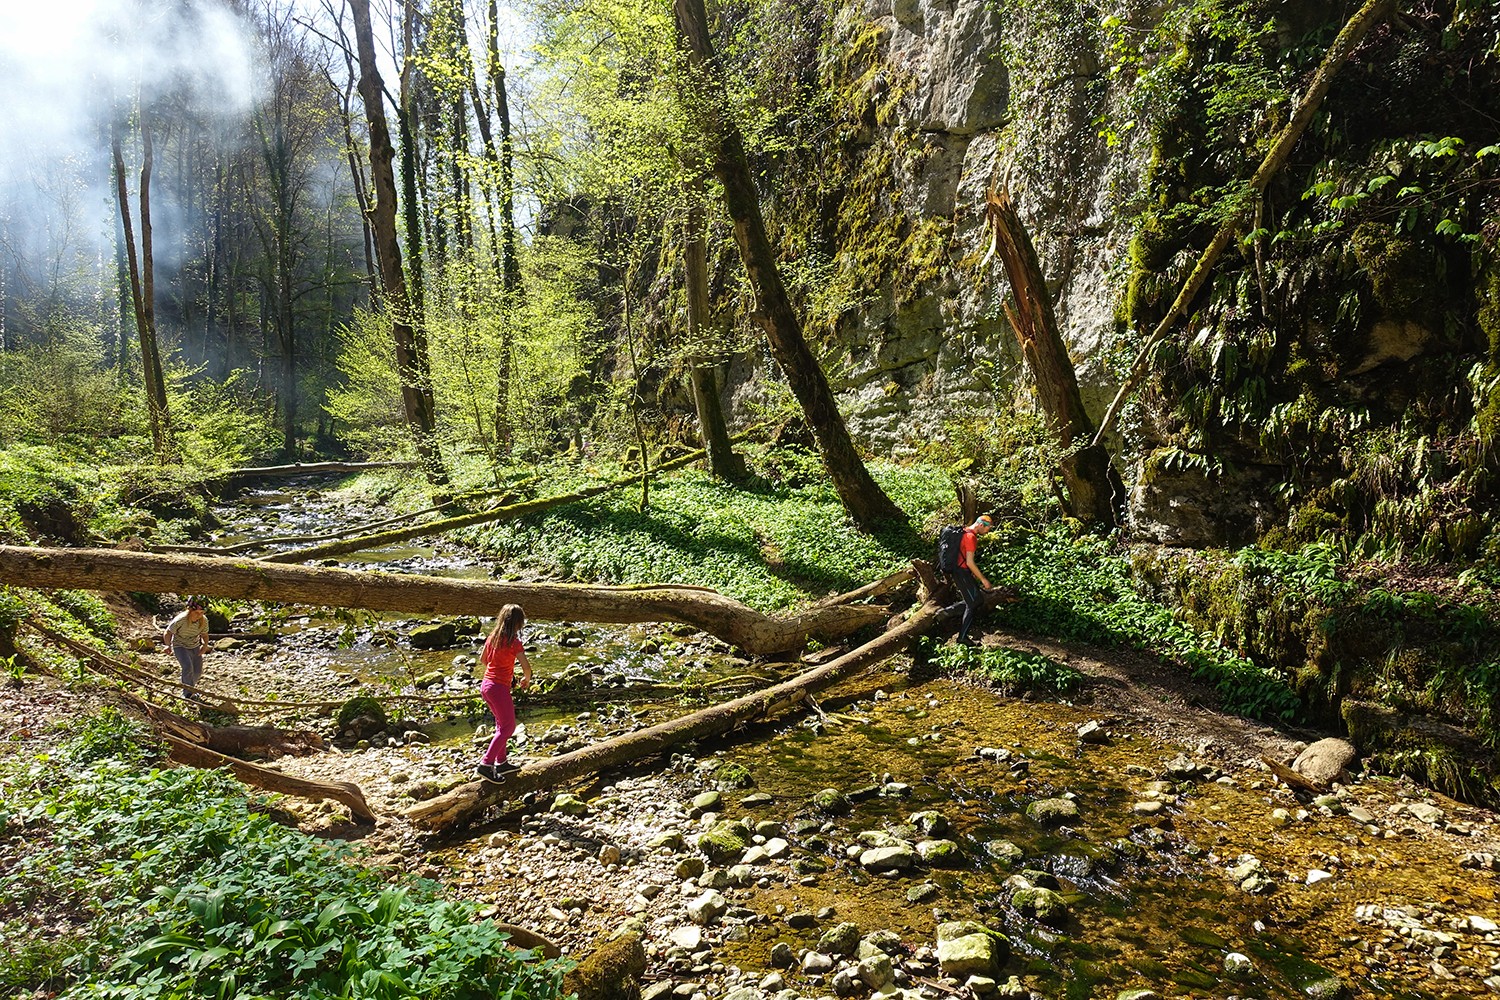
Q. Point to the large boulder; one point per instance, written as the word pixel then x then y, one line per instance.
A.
pixel 725 841
pixel 438 636
pixel 611 973
pixel 1326 761
pixel 966 948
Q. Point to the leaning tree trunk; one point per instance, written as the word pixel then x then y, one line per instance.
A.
pixel 1372 13
pixel 722 460
pixel 411 346
pixel 729 620
pixel 466 803
pixel 861 496
pixel 1091 482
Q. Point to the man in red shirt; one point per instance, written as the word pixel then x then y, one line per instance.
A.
pixel 968 577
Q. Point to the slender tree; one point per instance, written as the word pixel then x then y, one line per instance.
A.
pixel 143 285
pixel 411 346
pixel 862 497
pixel 723 462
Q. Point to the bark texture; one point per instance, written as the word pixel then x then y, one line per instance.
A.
pixel 1093 487
pixel 741 626
pixel 411 346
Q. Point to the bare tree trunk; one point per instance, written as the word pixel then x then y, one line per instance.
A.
pixel 464 804
pixel 411 345
pixel 142 288
pixel 1091 481
pixel 510 268
pixel 118 569
pixel 861 496
pixel 1372 13
pixel 723 462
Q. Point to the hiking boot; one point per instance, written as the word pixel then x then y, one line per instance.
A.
pixel 486 771
pixel 504 768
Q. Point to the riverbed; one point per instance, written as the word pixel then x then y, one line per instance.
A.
pixel 1163 857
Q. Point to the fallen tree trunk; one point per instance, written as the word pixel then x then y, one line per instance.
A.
pixel 115 569
pixel 182 752
pixel 234 741
pixel 510 513
pixel 308 469
pixel 464 804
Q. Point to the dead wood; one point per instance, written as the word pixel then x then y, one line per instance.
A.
pixel 182 752
pixel 235 741
pixel 308 469
pixel 879 588
pixel 463 805
pixel 1292 778
pixel 116 569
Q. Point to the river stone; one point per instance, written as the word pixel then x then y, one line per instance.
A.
pixel 609 855
pixel 724 841
pixel 707 908
pixel 754 855
pixel 981 985
pixel 966 948
pixel 1148 807
pixel 1238 966
pixel 1004 851
pixel 878 838
pixel 689 868
pixel 1425 812
pixel 707 802
pixel 876 971
pixel 922 893
pixel 1316 875
pixel 768 828
pixel 1360 815
pixel 1044 904
pixel 930 822
pixel 1093 732
pixel 881 942
pixel 816 961
pixel 671 840
pixel 742 875
pixel 1138 995
pixel 939 853
pixel 1052 812
pixel 569 805
pixel 439 636
pixel 840 940
pixel 832 801
pixel 776 847
pixel 687 937
pixel 755 799
pixel 1332 988
pixel 1325 761
pixel 745 993
pixel 715 878
pixel 888 859
pixel 782 956
pixel 801 920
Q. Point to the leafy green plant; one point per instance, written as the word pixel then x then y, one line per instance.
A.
pixel 110 735
pixel 1012 670
pixel 187 892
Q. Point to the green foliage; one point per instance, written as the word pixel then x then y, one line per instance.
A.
pixel 772 548
pixel 1012 670
pixel 88 610
pixel 1076 588
pixel 110 735
pixel 186 892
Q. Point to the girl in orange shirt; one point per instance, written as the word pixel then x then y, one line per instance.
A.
pixel 502 650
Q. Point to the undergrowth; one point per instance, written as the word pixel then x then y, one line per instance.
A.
pixel 1078 588
pixel 1013 671
pixel 170 884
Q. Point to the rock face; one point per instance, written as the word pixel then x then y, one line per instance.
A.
pixel 1325 761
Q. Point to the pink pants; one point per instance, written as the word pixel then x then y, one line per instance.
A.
pixel 497 696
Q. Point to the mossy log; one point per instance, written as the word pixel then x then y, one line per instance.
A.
pixel 466 803
pixel 307 469
pixel 114 569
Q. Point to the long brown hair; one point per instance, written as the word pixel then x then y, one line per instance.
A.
pixel 508 624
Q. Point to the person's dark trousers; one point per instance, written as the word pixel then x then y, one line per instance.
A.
pixel 968 589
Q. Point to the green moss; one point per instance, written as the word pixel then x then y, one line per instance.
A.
pixel 724 841
pixel 1402 273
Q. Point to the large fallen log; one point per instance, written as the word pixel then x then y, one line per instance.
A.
pixel 183 752
pixel 464 804
pixel 308 469
pixel 233 741
pixel 510 512
pixel 115 569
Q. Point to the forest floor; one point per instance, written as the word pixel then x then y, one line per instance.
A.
pixel 1388 884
